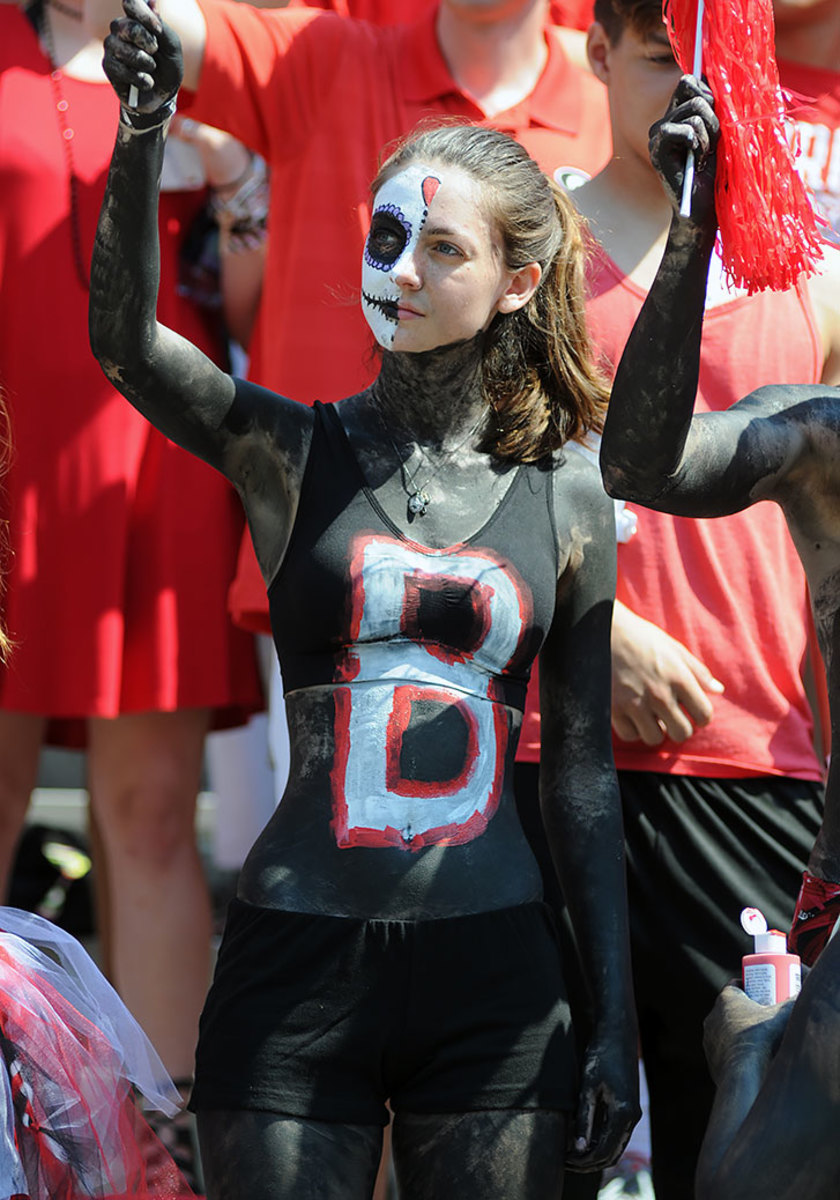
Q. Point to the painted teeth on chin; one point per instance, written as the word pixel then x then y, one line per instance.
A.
pixel 388 308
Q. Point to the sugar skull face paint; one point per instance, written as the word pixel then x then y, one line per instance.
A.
pixel 400 211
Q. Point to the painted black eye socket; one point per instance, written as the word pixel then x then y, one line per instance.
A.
pixel 389 234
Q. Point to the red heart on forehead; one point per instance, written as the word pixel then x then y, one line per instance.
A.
pixel 430 185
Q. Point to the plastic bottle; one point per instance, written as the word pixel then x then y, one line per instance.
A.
pixel 770 974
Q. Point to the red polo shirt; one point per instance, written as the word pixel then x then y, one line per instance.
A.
pixel 319 96
pixel 381 12
pixel 575 14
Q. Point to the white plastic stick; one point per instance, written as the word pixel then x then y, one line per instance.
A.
pixel 688 178
pixel 133 96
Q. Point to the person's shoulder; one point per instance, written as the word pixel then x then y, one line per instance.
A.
pixel 314 25
pixel 569 90
pixel 577 478
pixel 259 408
pixel 824 285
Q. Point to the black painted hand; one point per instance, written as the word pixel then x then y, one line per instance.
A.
pixel 608 1102
pixel 738 1031
pixel 690 124
pixel 142 52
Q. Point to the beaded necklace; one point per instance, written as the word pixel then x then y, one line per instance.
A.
pixel 39 17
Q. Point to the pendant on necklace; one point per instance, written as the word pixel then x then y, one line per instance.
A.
pixel 418 502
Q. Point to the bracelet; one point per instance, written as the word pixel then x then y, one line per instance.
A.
pixel 240 179
pixel 238 240
pixel 136 122
pixel 247 208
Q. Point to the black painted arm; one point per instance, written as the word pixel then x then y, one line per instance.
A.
pixel 170 381
pixel 656 382
pixel 582 814
pixel 256 438
pixel 655 386
pixel 653 451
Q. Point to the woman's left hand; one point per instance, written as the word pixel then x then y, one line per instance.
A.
pixel 608 1101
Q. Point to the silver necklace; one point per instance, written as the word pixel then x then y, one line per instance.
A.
pixel 418 498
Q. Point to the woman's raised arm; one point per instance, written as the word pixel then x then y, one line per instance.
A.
pixel 653 451
pixel 257 439
pixel 171 382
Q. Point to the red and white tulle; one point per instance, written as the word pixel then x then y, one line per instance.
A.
pixel 73 1057
pixel 769 230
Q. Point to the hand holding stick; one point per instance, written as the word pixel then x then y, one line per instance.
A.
pixel 143 58
pixel 688 178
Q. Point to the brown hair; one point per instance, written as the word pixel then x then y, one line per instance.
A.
pixel 642 16
pixel 539 376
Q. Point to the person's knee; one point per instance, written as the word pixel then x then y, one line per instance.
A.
pixel 20 746
pixel 488 1155
pixel 149 820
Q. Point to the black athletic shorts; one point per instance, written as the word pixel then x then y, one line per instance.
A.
pixel 328 1017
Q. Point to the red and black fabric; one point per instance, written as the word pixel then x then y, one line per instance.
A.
pixel 815 917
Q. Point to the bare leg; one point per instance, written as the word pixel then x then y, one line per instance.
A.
pixel 386 1167
pixel 264 1156
pixel 21 735
pixel 491 1155
pixel 144 773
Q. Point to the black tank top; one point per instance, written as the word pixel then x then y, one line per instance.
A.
pixel 426 652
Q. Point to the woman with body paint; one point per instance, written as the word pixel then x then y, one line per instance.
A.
pixel 421 542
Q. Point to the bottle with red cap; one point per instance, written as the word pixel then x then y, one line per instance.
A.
pixel 770 973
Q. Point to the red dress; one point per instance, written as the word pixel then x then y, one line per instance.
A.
pixel 122 545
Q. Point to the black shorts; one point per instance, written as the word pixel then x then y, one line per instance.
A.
pixel 329 1017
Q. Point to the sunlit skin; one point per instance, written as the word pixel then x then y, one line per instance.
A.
pixel 641 73
pixel 449 280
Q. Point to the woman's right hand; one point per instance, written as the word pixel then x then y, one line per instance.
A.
pixel 659 688
pixel 142 52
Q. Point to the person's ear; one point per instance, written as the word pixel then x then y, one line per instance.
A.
pixel 520 288
pixel 598 52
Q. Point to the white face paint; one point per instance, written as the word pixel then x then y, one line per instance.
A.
pixel 400 211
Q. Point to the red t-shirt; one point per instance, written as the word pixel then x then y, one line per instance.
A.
pixel 380 12
pixel 815 109
pixel 319 97
pixel 731 589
